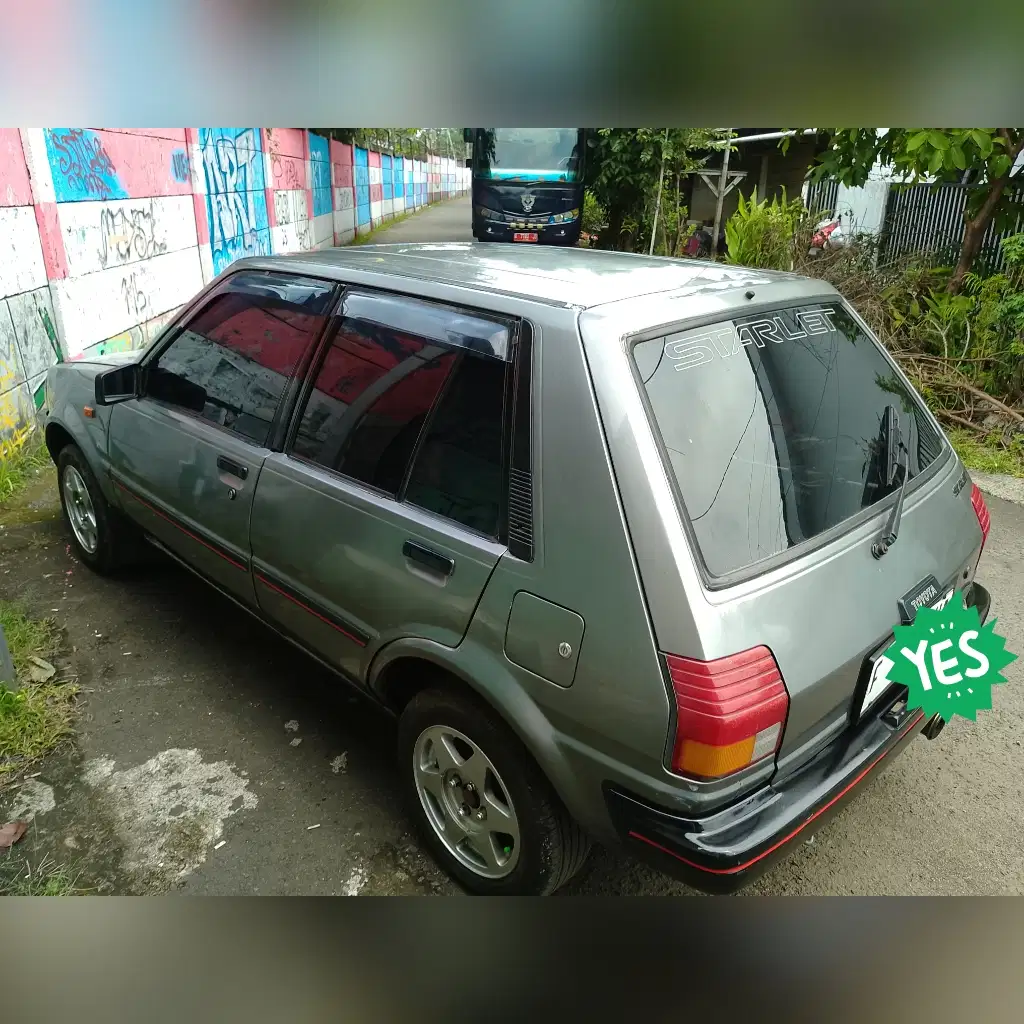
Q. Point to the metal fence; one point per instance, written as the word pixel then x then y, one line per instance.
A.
pixel 822 196
pixel 928 219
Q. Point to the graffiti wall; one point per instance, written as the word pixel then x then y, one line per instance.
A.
pixel 28 337
pixel 106 232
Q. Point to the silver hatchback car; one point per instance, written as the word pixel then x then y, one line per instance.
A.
pixel 617 539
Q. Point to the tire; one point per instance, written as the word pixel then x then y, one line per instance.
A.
pixel 547 847
pixel 80 495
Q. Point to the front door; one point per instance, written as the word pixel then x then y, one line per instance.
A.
pixel 395 473
pixel 187 455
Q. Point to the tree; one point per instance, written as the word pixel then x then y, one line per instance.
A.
pixel 415 142
pixel 626 164
pixel 982 157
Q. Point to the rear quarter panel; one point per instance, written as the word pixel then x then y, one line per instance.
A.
pixel 613 721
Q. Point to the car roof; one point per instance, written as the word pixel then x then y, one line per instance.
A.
pixel 557 275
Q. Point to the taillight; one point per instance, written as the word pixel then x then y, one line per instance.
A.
pixel 981 511
pixel 729 712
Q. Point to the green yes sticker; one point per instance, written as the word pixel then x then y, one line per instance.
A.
pixel 948 660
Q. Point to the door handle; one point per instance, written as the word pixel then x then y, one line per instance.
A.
pixel 232 467
pixel 432 560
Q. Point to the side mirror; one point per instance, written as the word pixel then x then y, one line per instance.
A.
pixel 117 385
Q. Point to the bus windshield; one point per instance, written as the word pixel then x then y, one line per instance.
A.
pixel 529 154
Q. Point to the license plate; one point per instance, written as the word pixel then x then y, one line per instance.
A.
pixel 525 236
pixel 879 681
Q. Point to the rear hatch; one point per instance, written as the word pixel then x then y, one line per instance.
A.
pixel 787 435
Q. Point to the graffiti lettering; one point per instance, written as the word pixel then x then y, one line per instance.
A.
pixel 179 165
pixel 128 234
pixel 134 298
pixel 320 165
pixel 235 202
pixel 291 214
pixel 286 174
pixel 82 163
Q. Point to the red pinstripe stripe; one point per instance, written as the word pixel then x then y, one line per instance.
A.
pixel 306 608
pixel 782 842
pixel 178 526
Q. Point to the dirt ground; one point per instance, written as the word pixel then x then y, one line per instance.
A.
pixel 197 728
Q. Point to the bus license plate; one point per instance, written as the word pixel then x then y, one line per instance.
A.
pixel 524 236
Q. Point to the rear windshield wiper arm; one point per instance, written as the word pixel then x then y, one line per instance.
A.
pixel 893 441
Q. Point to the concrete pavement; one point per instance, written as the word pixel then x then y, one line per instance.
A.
pixel 214 758
pixel 446 222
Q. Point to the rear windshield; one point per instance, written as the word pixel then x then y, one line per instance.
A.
pixel 773 426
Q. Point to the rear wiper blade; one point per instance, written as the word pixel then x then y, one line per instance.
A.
pixel 893 441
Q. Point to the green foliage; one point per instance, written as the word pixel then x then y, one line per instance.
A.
pixel 594 218
pixel 983 157
pixel 623 170
pixel 964 353
pixel 942 154
pixel 764 234
pixel 22 456
pixel 18 877
pixel 989 453
pixel 34 719
pixel 413 142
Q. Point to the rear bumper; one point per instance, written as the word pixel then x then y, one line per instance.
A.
pixel 726 850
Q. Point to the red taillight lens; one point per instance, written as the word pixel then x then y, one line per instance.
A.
pixel 729 712
pixel 981 511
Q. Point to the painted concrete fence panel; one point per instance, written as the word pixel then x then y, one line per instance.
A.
pixel 399 186
pixel 28 335
pixel 376 189
pixel 343 179
pixel 387 174
pixel 233 220
pixel 323 202
pixel 363 208
pixel 105 233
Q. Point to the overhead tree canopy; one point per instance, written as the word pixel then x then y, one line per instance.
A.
pixel 983 157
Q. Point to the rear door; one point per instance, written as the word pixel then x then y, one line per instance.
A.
pixel 188 453
pixel 384 516
pixel 774 431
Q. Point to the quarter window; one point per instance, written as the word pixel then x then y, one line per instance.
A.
pixel 458 468
pixel 232 360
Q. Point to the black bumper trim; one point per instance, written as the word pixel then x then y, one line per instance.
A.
pixel 725 851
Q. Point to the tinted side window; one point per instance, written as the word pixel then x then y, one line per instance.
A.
pixel 458 469
pixel 232 360
pixel 369 402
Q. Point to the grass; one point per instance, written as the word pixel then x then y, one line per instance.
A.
pixel 34 719
pixel 989 454
pixel 21 457
pixel 19 878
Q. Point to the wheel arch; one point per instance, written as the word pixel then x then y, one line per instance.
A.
pixel 405 667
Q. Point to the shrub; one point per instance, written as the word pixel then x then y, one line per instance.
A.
pixel 763 234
